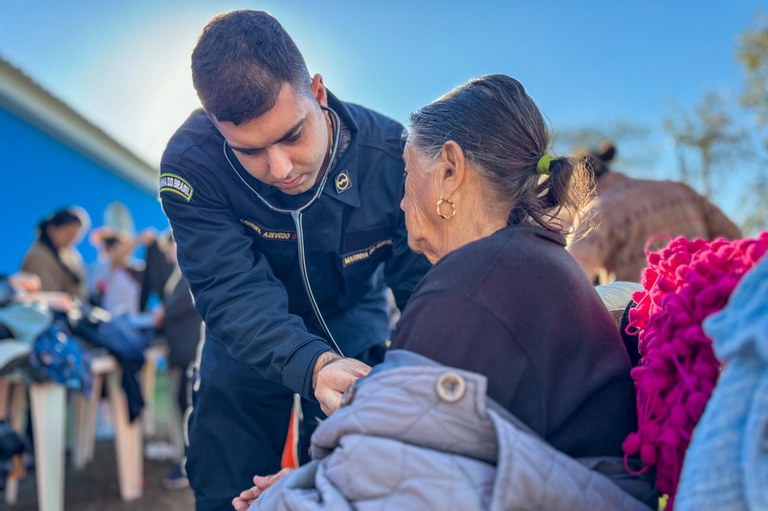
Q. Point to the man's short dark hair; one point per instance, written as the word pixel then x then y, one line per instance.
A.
pixel 241 62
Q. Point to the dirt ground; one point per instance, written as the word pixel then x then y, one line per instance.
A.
pixel 95 488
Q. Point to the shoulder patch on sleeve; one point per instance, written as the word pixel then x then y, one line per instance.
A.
pixel 176 184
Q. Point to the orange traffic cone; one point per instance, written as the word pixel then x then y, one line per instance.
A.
pixel 290 457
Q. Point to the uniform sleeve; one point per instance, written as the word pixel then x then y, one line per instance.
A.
pixel 453 329
pixel 243 304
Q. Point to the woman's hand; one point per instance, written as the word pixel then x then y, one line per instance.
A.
pixel 25 282
pixel 55 300
pixel 261 483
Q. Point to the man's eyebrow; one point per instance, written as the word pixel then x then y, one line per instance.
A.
pixel 288 134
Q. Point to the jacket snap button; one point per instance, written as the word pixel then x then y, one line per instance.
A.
pixel 348 396
pixel 450 387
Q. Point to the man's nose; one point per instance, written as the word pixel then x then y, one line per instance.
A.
pixel 280 164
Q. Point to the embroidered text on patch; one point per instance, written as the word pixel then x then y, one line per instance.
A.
pixel 360 255
pixel 269 235
pixel 176 184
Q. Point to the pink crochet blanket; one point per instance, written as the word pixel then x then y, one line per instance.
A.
pixel 682 285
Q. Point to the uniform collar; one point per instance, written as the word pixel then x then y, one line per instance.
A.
pixel 335 187
pixel 345 170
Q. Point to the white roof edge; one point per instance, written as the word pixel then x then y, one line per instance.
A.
pixel 22 96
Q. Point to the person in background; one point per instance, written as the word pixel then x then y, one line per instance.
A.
pixel 117 281
pixel 54 258
pixel 628 216
pixel 157 269
pixel 183 332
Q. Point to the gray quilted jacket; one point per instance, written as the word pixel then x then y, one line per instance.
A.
pixel 415 435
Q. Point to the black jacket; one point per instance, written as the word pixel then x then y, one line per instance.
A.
pixel 516 307
pixel 182 322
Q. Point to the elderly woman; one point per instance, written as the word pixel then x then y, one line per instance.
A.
pixel 503 300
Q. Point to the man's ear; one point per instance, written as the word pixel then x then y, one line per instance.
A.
pixel 452 169
pixel 318 90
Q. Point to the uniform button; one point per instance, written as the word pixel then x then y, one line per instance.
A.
pixel 348 396
pixel 450 387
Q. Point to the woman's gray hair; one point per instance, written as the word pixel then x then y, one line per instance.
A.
pixel 502 132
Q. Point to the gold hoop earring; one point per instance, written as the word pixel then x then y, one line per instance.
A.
pixel 440 202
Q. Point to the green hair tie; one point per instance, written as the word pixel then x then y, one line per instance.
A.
pixel 543 166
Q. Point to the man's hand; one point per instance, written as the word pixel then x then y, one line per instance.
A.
pixel 331 377
pixel 261 483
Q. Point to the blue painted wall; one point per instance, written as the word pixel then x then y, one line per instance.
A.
pixel 39 174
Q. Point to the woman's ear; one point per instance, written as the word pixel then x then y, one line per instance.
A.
pixel 318 90
pixel 452 168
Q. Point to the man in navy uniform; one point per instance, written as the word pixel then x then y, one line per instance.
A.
pixel 284 202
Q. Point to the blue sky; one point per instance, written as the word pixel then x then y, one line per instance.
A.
pixel 125 64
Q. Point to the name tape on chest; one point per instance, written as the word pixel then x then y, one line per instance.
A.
pixel 171 183
pixel 268 234
pixel 363 254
